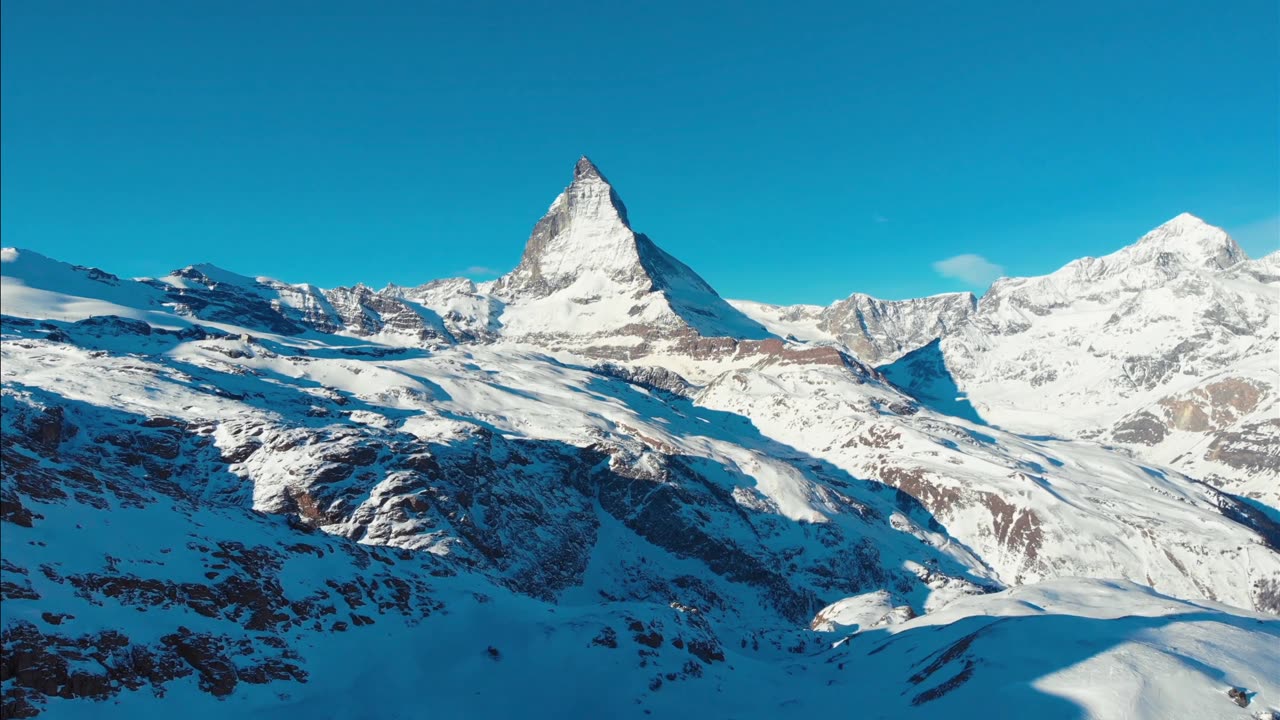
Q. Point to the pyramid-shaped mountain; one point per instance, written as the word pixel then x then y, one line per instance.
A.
pixel 586 274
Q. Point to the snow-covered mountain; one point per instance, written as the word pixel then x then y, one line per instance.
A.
pixel 876 331
pixel 588 279
pixel 235 495
pixel 1170 347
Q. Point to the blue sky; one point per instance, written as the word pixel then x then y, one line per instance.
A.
pixel 789 152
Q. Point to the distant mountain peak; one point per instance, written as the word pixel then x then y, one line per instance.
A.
pixel 215 274
pixel 1190 240
pixel 1182 225
pixel 1186 219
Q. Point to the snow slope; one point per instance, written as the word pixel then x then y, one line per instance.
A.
pixel 135 588
pixel 1031 508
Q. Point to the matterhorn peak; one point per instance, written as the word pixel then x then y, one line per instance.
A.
pixel 584 233
pixel 591 191
pixel 584 264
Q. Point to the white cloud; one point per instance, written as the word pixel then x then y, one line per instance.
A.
pixel 972 269
pixel 879 219
pixel 480 270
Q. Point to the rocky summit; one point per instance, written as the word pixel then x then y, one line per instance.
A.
pixel 227 495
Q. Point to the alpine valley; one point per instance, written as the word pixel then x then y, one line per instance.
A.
pixel 595 488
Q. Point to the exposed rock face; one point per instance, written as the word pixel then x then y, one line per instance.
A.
pixel 1248 447
pixel 879 331
pixel 209 293
pixel 1141 428
pixel 468 314
pixel 1216 404
pixel 653 378
pixel 365 312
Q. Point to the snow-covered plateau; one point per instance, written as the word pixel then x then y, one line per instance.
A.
pixel 595 488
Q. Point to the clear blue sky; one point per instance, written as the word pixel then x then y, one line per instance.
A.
pixel 789 152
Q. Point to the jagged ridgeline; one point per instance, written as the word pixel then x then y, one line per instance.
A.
pixel 232 495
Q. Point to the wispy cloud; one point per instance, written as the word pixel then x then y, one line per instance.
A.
pixel 879 219
pixel 972 269
pixel 480 270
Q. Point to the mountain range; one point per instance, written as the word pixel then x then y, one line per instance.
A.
pixel 603 489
